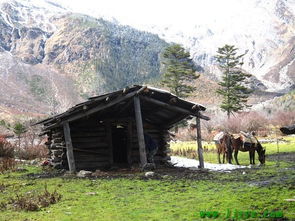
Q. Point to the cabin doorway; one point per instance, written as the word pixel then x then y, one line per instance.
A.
pixel 119 140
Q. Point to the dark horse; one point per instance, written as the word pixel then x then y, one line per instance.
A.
pixel 239 144
pixel 223 146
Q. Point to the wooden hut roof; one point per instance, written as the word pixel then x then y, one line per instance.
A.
pixel 159 107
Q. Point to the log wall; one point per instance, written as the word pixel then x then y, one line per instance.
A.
pixel 91 148
pixel 92 144
pixel 160 136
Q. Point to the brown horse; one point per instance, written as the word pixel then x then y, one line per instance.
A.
pixel 223 146
pixel 239 144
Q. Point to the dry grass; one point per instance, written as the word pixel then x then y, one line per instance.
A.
pixel 7 164
pixel 34 202
pixel 189 149
pixel 6 149
pixel 32 152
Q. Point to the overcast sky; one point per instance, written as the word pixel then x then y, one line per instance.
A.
pixel 180 13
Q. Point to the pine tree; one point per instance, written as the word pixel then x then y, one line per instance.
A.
pixel 179 70
pixel 235 93
pixel 19 129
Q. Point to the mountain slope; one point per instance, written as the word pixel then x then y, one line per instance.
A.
pixel 52 59
pixel 263 30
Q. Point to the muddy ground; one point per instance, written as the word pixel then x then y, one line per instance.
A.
pixel 277 173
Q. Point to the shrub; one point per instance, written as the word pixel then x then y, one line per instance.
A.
pixel 6 149
pixel 33 202
pixel 283 118
pixel 233 125
pixel 185 134
pixel 7 164
pixel 32 152
pixel 253 121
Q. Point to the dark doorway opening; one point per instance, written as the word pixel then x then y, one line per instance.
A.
pixel 119 140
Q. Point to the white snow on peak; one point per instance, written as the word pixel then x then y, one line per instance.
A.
pixel 31 13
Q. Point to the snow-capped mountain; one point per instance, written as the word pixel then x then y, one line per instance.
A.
pixel 262 29
pixel 52 58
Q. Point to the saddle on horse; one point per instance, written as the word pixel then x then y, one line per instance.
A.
pixel 249 140
pixel 217 138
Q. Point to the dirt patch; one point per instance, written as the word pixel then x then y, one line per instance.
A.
pixel 288 157
pixel 41 175
pixel 163 172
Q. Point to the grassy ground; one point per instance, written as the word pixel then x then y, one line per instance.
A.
pixel 170 195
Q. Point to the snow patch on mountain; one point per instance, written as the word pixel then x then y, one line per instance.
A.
pixel 260 29
pixel 31 13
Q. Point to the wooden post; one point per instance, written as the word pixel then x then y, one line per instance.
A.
pixel 139 128
pixel 69 145
pixel 199 142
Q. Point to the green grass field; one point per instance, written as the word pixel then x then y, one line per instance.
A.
pixel 173 197
pixel 188 149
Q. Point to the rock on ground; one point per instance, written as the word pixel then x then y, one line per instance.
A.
pixel 84 173
pixel 149 174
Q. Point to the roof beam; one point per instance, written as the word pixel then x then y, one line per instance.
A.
pixel 94 110
pixel 173 107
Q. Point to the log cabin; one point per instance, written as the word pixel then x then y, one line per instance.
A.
pixel 108 130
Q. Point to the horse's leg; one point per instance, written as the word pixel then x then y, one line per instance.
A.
pixel 236 157
pixel 218 154
pixel 229 156
pixel 253 156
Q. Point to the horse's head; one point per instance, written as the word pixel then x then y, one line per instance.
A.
pixel 261 153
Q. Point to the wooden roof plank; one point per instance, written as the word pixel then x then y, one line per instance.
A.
pixel 173 107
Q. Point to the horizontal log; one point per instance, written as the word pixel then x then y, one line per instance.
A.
pixel 93 152
pixel 96 153
pixel 89 140
pixel 57 140
pixel 57 146
pixel 86 122
pixel 96 127
pixel 89 159
pixel 98 158
pixel 56 159
pixel 91 165
pixel 86 129
pixel 46 132
pixel 57 152
pixel 58 130
pixel 57 134
pixel 87 134
pixel 90 145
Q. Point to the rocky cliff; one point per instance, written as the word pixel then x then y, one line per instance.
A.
pixel 52 58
